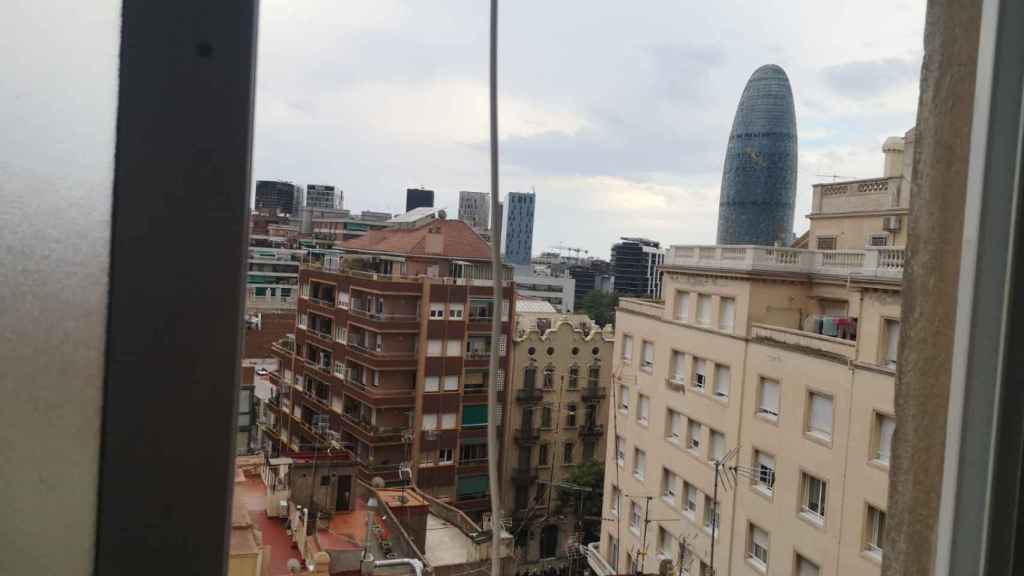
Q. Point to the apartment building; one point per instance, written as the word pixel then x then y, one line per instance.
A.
pixel 475 209
pixel 561 372
pixel 635 263
pixel 777 364
pixel 390 358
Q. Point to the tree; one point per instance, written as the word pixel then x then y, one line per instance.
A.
pixel 587 475
pixel 600 306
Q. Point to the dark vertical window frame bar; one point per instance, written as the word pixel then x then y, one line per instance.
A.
pixel 180 213
pixel 981 485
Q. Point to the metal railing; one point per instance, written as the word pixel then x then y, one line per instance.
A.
pixel 885 263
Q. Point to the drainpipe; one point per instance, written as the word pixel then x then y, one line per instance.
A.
pixel 369 564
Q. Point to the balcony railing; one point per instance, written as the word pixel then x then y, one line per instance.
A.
pixel 529 395
pixel 527 436
pixel 372 429
pixel 478 354
pixel 524 475
pixel 809 340
pixel 594 393
pixel 883 263
pixel 471 275
pixel 592 429
pixel 384 316
pixel 597 563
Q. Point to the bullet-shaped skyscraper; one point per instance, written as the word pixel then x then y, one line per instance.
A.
pixel 759 177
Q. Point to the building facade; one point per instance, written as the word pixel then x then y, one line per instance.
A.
pixel 418 198
pixel 561 373
pixel 759 175
pixel 593 275
pixel 777 364
pixel 322 197
pixel 277 197
pixel 517 224
pixel 635 263
pixel 475 209
pixel 390 358
pixel 560 291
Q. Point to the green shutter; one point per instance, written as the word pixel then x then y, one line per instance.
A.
pixel 474 415
pixel 468 485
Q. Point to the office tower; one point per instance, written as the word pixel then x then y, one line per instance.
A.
pixel 635 264
pixel 418 198
pixel 779 362
pixel 590 275
pixel 320 197
pixel 475 209
pixel 390 356
pixel 277 197
pixel 561 373
pixel 517 224
pixel 759 177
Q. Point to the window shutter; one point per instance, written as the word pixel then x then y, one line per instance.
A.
pixel 760 537
pixel 648 353
pixel 722 381
pixel 892 329
pixel 886 427
pixel 431 384
pixel 821 413
pixel 433 347
pixel 454 348
pixel 430 421
pixel 728 314
pixel 448 421
pixel 770 396
pixel 807 568
pixel 679 366
pixel 682 306
pixel 451 383
pixel 717 445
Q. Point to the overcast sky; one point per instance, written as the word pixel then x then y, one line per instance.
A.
pixel 616 113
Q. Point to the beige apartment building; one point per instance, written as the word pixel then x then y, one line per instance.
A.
pixel 777 363
pixel 561 373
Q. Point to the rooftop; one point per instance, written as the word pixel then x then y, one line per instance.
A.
pixel 437 238
pixel 534 306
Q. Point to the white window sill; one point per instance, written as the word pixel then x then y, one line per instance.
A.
pixel 872 555
pixel 639 477
pixel 819 436
pixel 812 518
pixel 672 440
pixel 768 416
pixel 643 422
pixel 690 515
pixel 667 499
pixel 881 464
pixel 764 491
pixel 757 565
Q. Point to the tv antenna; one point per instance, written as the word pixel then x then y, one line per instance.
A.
pixel 835 177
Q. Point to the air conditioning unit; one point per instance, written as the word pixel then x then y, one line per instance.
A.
pixel 891 223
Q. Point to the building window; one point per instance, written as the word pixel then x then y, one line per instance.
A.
pixel 669 485
pixel 643 409
pixel 570 416
pixel 455 311
pixel 454 348
pixel 437 311
pixel 826 243
pixel 812 499
pixel 884 426
pixel 723 380
pixel 727 314
pixel 878 240
pixel 682 306
pixel 874 534
pixel 623 399
pixel 664 543
pixel 648 360
pixel 616 501
pixel 891 334
pixel 690 504
pixel 678 375
pixel 704 310
pixel 620 451
pixel 430 421
pixel 451 383
pixel 717 445
pixel 433 347
pixel 445 456
pixel 567 453
pixel 627 347
pixel 549 378
pixel 542 455
pixel 768 398
pixel 764 471
pixel 574 377
pixel 675 426
pixel 545 416
pixel 613 552
pixel 449 421
pixel 805 567
pixel 693 433
pixel 819 420
pixel 432 384
pixel 472 452
pixel 758 547
pixel 700 373
pixel 711 515
pixel 474 415
pixel 639 463
pixel 634 517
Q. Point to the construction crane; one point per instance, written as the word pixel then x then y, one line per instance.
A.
pixel 574 251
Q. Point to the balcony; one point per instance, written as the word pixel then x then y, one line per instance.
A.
pixel 522 475
pixel 370 268
pixel 592 429
pixel 884 263
pixel 374 433
pixel 807 340
pixel 597 563
pixel 527 436
pixel 594 393
pixel 285 345
pixel 529 395
pixel 362 312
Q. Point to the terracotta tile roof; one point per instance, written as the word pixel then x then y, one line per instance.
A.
pixel 458 241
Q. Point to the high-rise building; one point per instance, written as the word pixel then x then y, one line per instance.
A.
pixel 390 357
pixel 321 197
pixel 591 275
pixel 277 197
pixel 418 198
pixel 517 224
pixel 759 177
pixel 475 209
pixel 777 364
pixel 635 264
pixel 561 373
